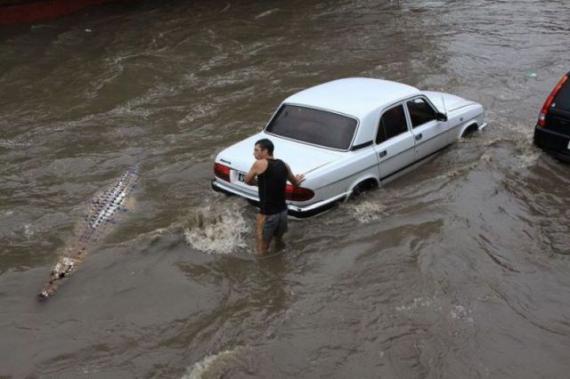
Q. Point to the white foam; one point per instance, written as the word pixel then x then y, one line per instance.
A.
pixel 212 366
pixel 11 143
pixel 529 159
pixel 266 13
pixel 215 230
pixel 518 134
pixel 138 106
pixel 418 302
pixel 198 111
pixel 367 211
pixel 28 231
pixel 459 312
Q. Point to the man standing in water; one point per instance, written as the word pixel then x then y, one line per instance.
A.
pixel 272 175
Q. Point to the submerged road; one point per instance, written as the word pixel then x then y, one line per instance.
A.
pixel 460 269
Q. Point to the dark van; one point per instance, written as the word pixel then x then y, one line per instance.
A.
pixel 552 131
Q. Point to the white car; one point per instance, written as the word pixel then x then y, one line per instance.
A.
pixel 348 135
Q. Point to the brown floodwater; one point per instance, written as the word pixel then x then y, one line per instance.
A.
pixel 459 269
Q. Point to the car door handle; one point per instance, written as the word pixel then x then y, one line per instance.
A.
pixel 419 137
pixel 383 153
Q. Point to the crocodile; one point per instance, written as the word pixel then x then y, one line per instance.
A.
pixel 103 211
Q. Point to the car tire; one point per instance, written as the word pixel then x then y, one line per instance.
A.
pixel 362 187
pixel 470 131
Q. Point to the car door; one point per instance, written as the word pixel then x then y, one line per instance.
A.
pixel 394 143
pixel 429 133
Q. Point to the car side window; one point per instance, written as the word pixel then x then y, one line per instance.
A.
pixel 420 112
pixel 392 123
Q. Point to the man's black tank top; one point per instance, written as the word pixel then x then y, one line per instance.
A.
pixel 272 187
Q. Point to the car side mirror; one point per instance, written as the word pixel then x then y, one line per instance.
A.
pixel 440 116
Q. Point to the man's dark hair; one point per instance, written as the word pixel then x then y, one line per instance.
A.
pixel 266 144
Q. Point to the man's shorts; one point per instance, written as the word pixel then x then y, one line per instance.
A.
pixel 275 225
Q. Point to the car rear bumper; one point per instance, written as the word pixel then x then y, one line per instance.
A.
pixel 555 143
pixel 293 210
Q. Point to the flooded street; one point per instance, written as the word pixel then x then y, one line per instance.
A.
pixel 459 269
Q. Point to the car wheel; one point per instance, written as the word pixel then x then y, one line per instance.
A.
pixel 471 129
pixel 362 187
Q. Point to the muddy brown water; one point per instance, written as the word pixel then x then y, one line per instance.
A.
pixel 459 269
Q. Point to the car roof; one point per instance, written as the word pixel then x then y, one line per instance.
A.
pixel 353 96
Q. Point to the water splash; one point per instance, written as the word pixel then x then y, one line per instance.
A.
pixel 212 229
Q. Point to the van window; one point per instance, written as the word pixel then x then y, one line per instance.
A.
pixel 313 126
pixel 420 112
pixel 392 123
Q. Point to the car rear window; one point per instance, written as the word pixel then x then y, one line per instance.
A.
pixel 313 126
pixel 562 100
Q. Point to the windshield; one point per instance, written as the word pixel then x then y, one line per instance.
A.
pixel 313 126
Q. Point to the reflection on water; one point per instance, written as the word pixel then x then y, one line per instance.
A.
pixel 457 269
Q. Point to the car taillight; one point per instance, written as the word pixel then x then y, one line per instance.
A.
pixel 549 100
pixel 298 193
pixel 222 172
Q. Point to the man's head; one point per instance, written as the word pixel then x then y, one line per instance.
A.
pixel 263 149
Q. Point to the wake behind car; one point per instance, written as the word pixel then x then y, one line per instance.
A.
pixel 552 131
pixel 348 135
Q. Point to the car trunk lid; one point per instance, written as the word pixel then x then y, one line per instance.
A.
pixel 302 158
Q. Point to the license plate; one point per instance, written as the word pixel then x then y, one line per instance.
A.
pixel 237 176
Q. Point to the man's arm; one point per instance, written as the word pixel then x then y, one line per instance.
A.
pixel 294 179
pixel 257 168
